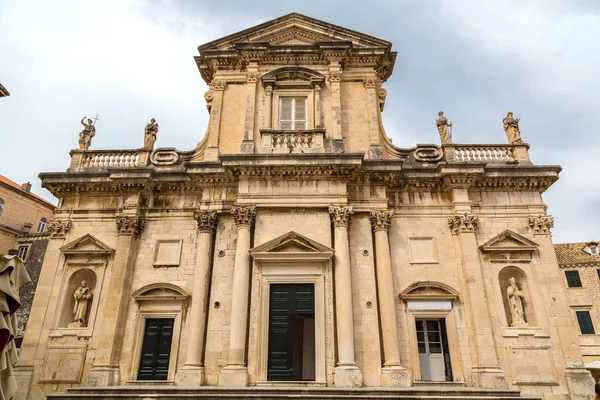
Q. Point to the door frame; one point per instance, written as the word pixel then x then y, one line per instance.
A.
pixel 298 274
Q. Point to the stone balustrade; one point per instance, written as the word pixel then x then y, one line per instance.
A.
pixel 102 159
pixel 307 141
pixel 486 153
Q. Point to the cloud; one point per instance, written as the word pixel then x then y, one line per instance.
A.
pixel 131 60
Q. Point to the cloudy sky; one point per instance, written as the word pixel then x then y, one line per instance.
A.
pixel 128 61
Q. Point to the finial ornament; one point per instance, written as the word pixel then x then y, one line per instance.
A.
pixel 511 127
pixel 444 128
pixel 86 135
pixel 150 133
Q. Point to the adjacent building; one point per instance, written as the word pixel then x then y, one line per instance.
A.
pixel 580 266
pixel 297 250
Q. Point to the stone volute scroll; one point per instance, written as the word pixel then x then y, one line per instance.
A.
pixel 515 300
pixel 82 296
pixel 86 135
pixel 150 132
pixel 511 127
pixel 444 128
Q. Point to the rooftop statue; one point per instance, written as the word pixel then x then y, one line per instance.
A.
pixel 511 126
pixel 443 127
pixel 86 135
pixel 150 133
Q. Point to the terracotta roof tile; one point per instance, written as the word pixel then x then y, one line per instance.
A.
pixel 15 185
pixel 572 253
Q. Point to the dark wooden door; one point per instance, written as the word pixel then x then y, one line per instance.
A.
pixel 286 300
pixel 156 349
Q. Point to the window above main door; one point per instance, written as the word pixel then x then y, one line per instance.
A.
pixel 293 113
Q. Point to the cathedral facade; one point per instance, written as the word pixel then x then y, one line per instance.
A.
pixel 297 247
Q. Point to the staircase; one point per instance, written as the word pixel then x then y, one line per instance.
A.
pixel 275 393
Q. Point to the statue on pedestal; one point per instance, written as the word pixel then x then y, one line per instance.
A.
pixel 511 127
pixel 443 127
pixel 82 296
pixel 150 133
pixel 515 302
pixel 86 135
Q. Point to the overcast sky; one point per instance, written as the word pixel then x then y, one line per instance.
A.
pixel 129 61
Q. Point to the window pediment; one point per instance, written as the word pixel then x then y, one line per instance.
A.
pixel 429 290
pixel 292 245
pixel 86 245
pixel 509 246
pixel 290 77
pixel 160 292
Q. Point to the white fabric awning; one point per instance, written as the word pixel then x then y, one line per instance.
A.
pixel 593 365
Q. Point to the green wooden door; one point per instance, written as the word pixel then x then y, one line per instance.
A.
pixel 156 349
pixel 286 300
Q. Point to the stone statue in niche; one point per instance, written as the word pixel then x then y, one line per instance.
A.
pixel 515 302
pixel 150 133
pixel 86 135
pixel 511 127
pixel 443 127
pixel 82 296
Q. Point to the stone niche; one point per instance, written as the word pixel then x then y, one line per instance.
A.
pixel 66 315
pixel 521 280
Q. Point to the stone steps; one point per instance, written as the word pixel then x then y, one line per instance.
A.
pixel 276 393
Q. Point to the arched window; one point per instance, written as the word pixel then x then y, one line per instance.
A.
pixel 1 206
pixel 42 225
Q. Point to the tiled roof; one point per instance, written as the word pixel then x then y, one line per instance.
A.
pixel 18 187
pixel 572 253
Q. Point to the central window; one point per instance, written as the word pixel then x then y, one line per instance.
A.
pixel 293 113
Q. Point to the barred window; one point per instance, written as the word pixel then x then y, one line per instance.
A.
pixel 293 113
pixel 585 323
pixel 573 279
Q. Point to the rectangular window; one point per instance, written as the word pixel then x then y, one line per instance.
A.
pixel 293 113
pixel 573 279
pixel 585 322
pixel 23 252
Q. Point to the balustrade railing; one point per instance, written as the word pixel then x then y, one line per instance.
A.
pixel 98 159
pixel 309 141
pixel 486 153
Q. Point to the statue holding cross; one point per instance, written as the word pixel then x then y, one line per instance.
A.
pixel 88 132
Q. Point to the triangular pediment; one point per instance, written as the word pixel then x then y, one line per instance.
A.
pixel 296 29
pixel 87 244
pixel 292 242
pixel 509 240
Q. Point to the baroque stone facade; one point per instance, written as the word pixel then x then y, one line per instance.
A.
pixel 297 247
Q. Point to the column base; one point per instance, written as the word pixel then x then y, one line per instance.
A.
pixel 347 376
pixel 234 376
pixel 190 375
pixel 24 377
pixel 396 376
pixel 490 377
pixel 580 383
pixel 103 375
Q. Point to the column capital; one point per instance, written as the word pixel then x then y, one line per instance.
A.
pixel 461 223
pixel 206 221
pixel 340 215
pixel 58 228
pixel 381 219
pixel 130 225
pixel 243 215
pixel 541 224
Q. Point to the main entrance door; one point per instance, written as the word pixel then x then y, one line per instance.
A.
pixel 156 349
pixel 291 332
pixel 434 357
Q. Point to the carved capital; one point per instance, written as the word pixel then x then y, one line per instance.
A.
pixel 541 224
pixel 58 229
pixel 130 225
pixel 251 76
pixel 335 76
pixel 461 223
pixel 381 220
pixel 206 221
pixel 370 82
pixel 243 215
pixel 218 84
pixel 340 215
pixel 268 90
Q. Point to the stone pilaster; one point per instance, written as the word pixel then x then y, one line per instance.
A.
pixel 217 87
pixel 105 370
pixel 268 107
pixel 247 146
pixel 392 373
pixel 236 371
pixel 335 78
pixel 486 370
pixel 347 373
pixel 318 114
pixel 192 372
pixel 370 83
